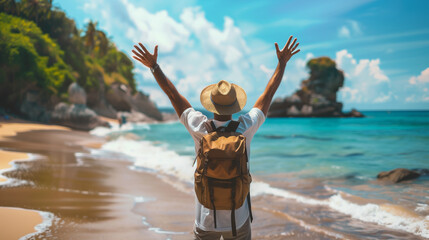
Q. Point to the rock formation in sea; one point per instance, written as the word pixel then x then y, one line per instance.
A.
pixel 317 96
pixel 401 174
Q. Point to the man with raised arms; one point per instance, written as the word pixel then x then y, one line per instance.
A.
pixel 223 99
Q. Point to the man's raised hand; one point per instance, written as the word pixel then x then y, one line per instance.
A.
pixel 143 55
pixel 287 52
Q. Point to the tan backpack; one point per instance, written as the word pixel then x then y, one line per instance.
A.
pixel 222 178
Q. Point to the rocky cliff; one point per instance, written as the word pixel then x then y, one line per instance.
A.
pixel 53 72
pixel 75 113
pixel 317 96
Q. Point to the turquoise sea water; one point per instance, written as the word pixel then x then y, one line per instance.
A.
pixel 325 147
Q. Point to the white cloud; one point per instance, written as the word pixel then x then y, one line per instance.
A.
pixel 88 6
pixel 158 27
pixel 296 71
pixel 419 85
pixel 421 79
pixel 355 26
pixel 411 98
pixel 159 96
pixel 365 81
pixel 344 32
pixel 268 72
pixel 351 94
pixel 350 29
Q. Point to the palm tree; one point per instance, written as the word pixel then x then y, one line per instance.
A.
pixel 90 36
pixel 36 8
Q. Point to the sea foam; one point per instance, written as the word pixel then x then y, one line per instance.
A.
pixel 368 212
pixel 43 227
pixel 159 158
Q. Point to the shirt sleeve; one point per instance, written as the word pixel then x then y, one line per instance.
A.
pixel 194 122
pixel 251 121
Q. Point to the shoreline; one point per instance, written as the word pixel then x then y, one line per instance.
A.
pixel 6 160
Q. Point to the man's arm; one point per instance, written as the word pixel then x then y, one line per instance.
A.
pixel 264 101
pixel 178 101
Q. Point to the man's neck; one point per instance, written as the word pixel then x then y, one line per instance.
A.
pixel 222 117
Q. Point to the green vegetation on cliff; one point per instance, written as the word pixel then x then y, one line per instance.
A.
pixel 42 50
pixel 29 59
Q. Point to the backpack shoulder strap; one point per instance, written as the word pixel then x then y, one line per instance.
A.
pixel 210 126
pixel 232 126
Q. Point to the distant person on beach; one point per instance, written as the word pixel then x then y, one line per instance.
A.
pixel 223 99
pixel 122 119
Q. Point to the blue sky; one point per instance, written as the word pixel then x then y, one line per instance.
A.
pixel 382 46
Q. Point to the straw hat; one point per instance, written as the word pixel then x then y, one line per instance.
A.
pixel 223 98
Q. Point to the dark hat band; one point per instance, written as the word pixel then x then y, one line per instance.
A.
pixel 221 105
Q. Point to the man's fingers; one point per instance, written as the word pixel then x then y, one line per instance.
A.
pixel 138 59
pixel 139 55
pixel 297 51
pixel 293 49
pixel 287 44
pixel 155 51
pixel 143 61
pixel 294 41
pixel 144 49
pixel 138 49
pixel 277 47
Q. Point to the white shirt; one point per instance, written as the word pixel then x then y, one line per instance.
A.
pixel 194 123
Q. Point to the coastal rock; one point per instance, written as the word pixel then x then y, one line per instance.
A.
pixel 96 100
pixel 135 116
pixel 142 103
pixel 317 96
pixel 293 111
pixel 122 99
pixel 169 117
pixel 354 113
pixel 398 175
pixel 32 108
pixel 103 108
pixel 76 116
pixel 421 171
pixel 119 96
pixel 77 94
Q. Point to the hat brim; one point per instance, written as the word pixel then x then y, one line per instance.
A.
pixel 219 109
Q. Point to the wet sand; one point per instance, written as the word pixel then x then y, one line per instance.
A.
pixel 17 222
